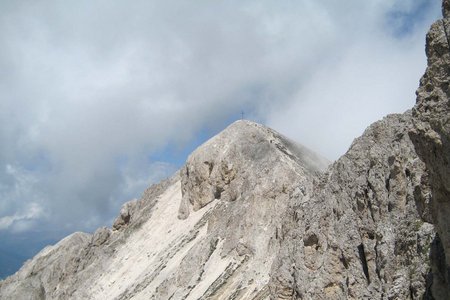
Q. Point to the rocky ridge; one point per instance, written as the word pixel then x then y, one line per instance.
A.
pixel 252 215
pixel 212 230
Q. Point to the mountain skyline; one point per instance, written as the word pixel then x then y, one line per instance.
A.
pixel 100 99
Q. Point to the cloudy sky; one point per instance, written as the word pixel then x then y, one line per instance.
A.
pixel 98 99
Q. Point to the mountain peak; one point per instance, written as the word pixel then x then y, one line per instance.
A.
pixel 244 155
pixel 252 137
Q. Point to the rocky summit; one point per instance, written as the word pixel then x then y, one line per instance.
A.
pixel 253 215
pixel 213 230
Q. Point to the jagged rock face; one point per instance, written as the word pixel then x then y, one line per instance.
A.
pixel 359 235
pixel 431 136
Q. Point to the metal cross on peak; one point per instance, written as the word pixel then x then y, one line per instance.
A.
pixel 242 115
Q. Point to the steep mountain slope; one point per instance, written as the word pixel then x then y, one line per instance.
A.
pixel 431 137
pixel 252 216
pixel 360 235
pixel 212 230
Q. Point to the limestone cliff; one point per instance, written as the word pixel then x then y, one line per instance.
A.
pixel 252 215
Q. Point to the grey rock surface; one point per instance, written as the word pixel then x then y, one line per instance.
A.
pixel 446 8
pixel 252 215
pixel 360 235
pixel 250 172
pixel 40 277
pixel 431 137
pixel 245 159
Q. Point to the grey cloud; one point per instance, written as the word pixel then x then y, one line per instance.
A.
pixel 89 90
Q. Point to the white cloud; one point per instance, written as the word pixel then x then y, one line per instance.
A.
pixel 89 90
pixel 22 221
pixel 342 98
